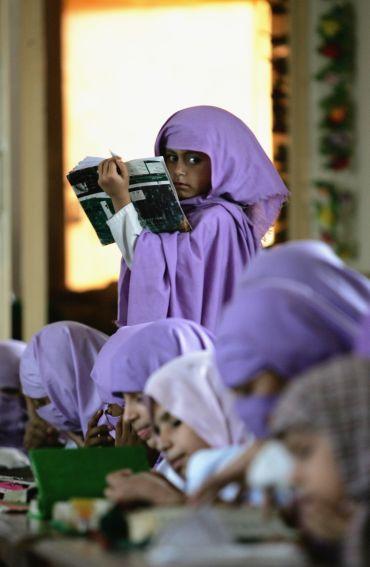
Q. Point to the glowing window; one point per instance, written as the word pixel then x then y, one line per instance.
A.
pixel 126 69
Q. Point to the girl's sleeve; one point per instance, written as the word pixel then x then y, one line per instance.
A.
pixel 125 228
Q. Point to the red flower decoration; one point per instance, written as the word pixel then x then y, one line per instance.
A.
pixel 331 50
pixel 339 163
pixel 338 114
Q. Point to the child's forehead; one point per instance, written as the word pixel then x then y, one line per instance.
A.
pixel 183 152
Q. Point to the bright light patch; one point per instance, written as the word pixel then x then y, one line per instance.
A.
pixel 126 71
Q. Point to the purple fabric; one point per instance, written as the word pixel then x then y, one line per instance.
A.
pixel 295 306
pixel 362 344
pixel 113 350
pixel 314 264
pixel 57 363
pixel 255 412
pixel 132 354
pixel 189 388
pixel 13 413
pixel 192 275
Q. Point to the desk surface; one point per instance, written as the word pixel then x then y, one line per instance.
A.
pixel 25 543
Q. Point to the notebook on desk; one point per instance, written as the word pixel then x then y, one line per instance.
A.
pixel 61 474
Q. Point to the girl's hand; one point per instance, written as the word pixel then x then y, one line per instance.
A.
pixel 151 487
pixel 98 435
pixel 114 180
pixel 234 472
pixel 39 433
pixel 125 435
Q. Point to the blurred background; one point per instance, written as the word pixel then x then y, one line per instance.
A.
pixel 81 77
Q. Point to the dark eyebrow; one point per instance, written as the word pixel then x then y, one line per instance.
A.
pixel 165 417
pixel 118 394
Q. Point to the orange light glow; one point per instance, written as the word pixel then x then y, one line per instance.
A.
pixel 127 66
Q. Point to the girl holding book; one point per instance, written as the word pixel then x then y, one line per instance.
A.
pixel 230 193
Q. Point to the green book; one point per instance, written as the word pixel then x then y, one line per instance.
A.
pixel 61 474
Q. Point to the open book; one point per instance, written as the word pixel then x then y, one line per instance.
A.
pixel 151 190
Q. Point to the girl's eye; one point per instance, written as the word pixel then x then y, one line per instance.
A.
pixel 156 429
pixel 194 160
pixel 303 452
pixel 171 158
pixel 176 423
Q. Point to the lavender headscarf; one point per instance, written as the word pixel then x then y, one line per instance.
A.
pixel 192 275
pixel 132 354
pixel 57 363
pixel 295 306
pixel 13 413
pixel 362 346
pixel 189 388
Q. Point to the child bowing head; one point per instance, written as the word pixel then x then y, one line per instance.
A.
pixel 324 419
pixel 55 377
pixel 296 305
pixel 126 362
pixel 191 409
pixel 13 413
pixel 231 194
pixel 122 368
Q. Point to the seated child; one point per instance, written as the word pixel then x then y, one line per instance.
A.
pixel 296 305
pixel 123 367
pixel 230 192
pixel 324 420
pixel 192 410
pixel 55 377
pixel 13 413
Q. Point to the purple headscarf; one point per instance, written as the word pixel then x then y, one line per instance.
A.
pixel 314 264
pixel 57 363
pixel 13 413
pixel 132 354
pixel 296 305
pixel 192 275
pixel 189 388
pixel 362 346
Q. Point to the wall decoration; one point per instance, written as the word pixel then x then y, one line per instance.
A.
pixel 334 205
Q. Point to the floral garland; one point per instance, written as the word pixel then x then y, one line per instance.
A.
pixel 334 204
pixel 337 43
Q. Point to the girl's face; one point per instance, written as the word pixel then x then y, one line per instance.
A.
pixel 136 413
pixel 176 440
pixel 323 507
pixel 190 172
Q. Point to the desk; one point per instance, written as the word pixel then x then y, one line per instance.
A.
pixel 35 544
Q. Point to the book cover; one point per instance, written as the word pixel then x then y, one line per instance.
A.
pixel 151 191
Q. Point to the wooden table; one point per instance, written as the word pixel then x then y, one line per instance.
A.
pixel 25 543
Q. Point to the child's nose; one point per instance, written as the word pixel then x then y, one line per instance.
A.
pixel 163 442
pixel 180 168
pixel 129 414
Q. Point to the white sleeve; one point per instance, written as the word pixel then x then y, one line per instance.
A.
pixel 125 228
